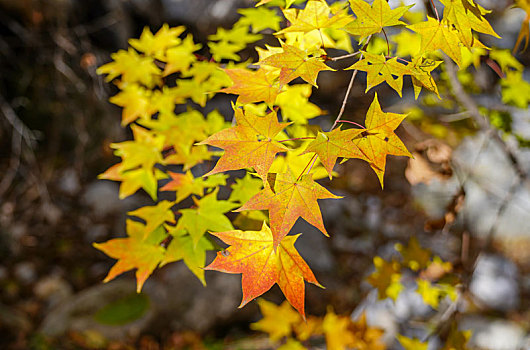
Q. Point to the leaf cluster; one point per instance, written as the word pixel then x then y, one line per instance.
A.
pixel 271 137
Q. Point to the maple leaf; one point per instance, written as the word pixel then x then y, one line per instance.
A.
pixel 295 63
pixel 515 90
pixel 296 162
pixel 457 340
pixel 420 70
pixel 144 151
pixel 259 19
pixel 208 214
pixel 335 327
pixel 414 256
pixel 189 157
pixel 372 19
pixel 438 35
pixel 155 216
pixel 412 343
pixel 133 180
pixel 467 16
pixel 248 144
pixel 180 58
pixel 252 86
pixel 186 184
pixel 336 143
pixel 294 104
pixel 156 45
pixel 183 248
pixel 133 68
pixel 379 69
pixel 137 251
pixel 245 188
pixel 378 139
pixel 253 254
pixel 136 103
pixel 292 344
pixel 288 199
pixel 365 337
pixel 315 16
pixel 386 278
pixel 277 321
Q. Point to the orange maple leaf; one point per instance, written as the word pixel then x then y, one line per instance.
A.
pixel 253 86
pixel 288 199
pixel 134 252
pixel 336 143
pixel 378 139
pixel 295 63
pixel 248 144
pixel 253 254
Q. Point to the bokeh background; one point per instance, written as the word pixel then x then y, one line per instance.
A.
pixel 55 129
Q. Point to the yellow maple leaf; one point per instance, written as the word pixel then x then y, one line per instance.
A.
pixel 295 63
pixel 277 321
pixel 338 336
pixel 252 86
pixel 372 19
pixel 439 35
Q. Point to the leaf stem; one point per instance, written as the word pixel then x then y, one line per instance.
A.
pixel 298 138
pixel 344 56
pixel 387 43
pixel 350 122
pixel 435 10
pixel 341 112
pixel 311 162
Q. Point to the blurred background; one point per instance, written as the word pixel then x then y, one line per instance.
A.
pixel 55 129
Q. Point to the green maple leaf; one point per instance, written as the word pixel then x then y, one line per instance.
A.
pixel 155 216
pixel 208 215
pixel 183 248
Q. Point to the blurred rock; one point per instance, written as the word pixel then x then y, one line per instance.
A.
pixel 490 334
pixel 201 13
pixel 25 272
pixel 313 246
pixel 180 302
pixel 494 283
pixel 77 313
pixel 102 198
pixel 409 304
pixel 379 313
pixel 14 320
pixel 490 183
pixel 52 289
pixel 69 182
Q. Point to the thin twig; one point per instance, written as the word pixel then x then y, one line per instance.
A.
pixel 467 102
pixel 344 56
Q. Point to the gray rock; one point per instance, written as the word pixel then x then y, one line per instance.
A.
pixel 25 272
pixel 494 283
pixel 52 289
pixel 493 334
pixel 69 182
pixel 102 198
pixel 379 313
pixel 77 313
pixel 178 302
pixel 314 247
